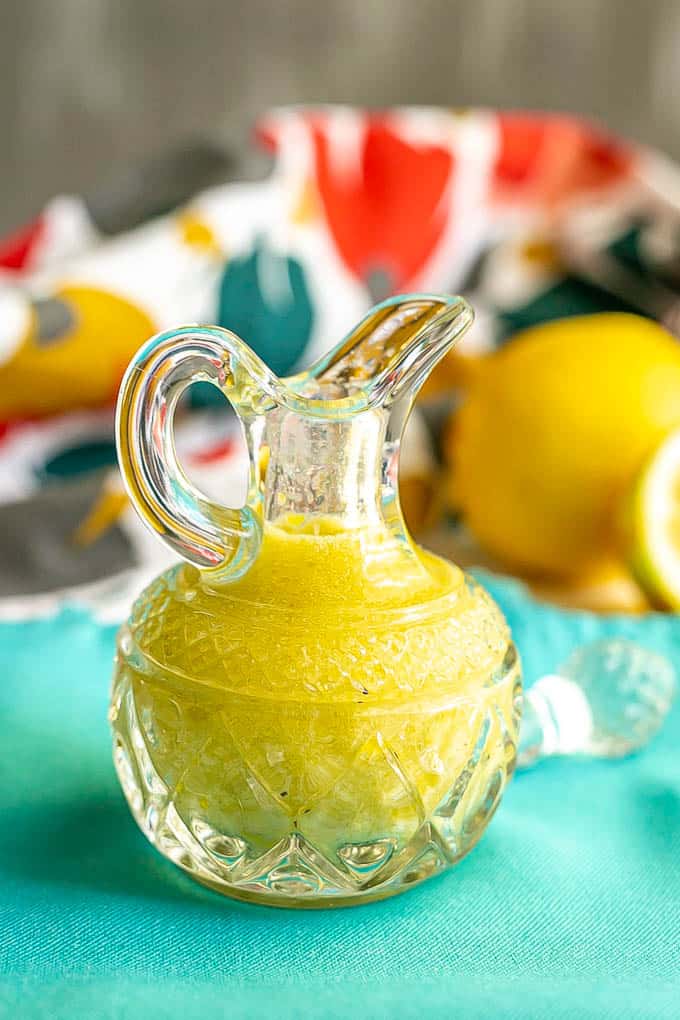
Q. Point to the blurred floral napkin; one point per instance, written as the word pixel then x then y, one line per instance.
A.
pixel 532 216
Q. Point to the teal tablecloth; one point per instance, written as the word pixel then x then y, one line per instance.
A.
pixel 570 906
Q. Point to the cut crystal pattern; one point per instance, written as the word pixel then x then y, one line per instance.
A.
pixel 406 793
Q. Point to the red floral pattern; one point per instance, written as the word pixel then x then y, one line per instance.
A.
pixel 16 249
pixel 390 214
pixel 543 160
pixel 386 192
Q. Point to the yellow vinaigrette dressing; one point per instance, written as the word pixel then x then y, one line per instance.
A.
pixel 331 720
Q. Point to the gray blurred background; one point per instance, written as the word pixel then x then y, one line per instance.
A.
pixel 87 84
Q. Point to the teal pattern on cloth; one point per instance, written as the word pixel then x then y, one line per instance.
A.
pixel 263 297
pixel 568 908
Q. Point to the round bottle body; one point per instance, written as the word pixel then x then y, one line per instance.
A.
pixel 318 745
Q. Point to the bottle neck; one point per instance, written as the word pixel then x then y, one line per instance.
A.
pixel 333 469
pixel 329 477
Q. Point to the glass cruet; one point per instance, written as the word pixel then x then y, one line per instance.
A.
pixel 308 709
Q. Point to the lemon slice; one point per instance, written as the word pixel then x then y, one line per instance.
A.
pixel 652 523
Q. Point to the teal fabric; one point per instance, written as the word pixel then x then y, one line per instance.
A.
pixel 569 907
pixel 277 324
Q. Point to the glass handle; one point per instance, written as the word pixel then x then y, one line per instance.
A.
pixel 216 538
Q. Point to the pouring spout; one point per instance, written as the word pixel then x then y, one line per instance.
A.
pixel 386 359
pixel 342 420
pixel 424 330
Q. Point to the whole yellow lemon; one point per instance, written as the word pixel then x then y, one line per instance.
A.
pixel 78 360
pixel 552 431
